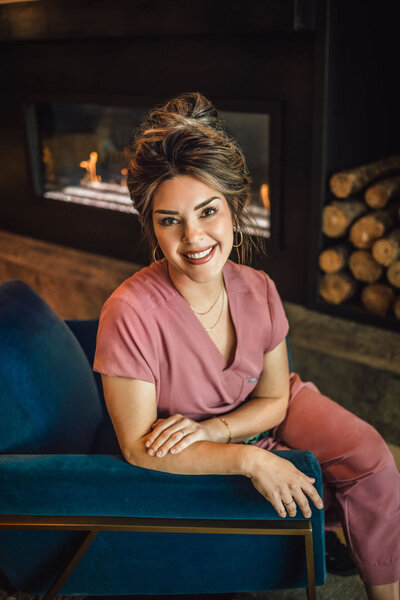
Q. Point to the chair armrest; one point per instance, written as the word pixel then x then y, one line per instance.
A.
pixel 106 485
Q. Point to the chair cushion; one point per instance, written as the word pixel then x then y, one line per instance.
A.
pixel 124 563
pixel 48 397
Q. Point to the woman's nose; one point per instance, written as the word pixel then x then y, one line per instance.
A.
pixel 192 232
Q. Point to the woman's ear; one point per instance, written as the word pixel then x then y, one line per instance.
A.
pixel 234 212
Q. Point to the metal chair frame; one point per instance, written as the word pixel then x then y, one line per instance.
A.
pixel 95 525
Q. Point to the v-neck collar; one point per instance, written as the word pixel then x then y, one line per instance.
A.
pixel 231 295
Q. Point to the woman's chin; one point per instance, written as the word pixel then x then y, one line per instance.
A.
pixel 199 273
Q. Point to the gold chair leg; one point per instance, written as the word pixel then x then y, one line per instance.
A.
pixel 57 585
pixel 311 590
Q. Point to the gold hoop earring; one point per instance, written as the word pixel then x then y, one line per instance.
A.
pixel 237 230
pixel 154 255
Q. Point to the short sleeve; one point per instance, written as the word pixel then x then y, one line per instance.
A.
pixel 278 320
pixel 124 343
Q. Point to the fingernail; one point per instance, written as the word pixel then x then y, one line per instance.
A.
pixel 151 451
pixel 148 443
pixel 159 453
pixel 173 450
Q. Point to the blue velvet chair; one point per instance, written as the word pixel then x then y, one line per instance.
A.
pixel 75 517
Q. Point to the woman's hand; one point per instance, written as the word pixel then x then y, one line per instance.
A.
pixel 287 488
pixel 174 435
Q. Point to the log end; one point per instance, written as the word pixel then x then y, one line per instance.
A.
pixel 334 222
pixel 376 196
pixel 365 232
pixel 377 298
pixel 341 184
pixel 331 261
pixel 384 252
pixel 336 288
pixel 364 267
pixel 393 274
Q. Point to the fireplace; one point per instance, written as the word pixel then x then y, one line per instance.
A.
pixel 291 79
pixel 80 153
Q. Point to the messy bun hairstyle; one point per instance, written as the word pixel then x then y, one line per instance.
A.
pixel 185 137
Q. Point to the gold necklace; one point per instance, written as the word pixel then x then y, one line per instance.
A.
pixel 211 307
pixel 219 316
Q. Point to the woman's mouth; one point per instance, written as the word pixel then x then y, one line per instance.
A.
pixel 200 256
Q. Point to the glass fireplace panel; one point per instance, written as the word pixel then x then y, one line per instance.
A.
pixel 84 149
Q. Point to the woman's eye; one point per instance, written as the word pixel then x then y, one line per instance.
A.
pixel 210 210
pixel 168 221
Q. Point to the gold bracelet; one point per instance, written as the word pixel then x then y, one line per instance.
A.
pixel 225 422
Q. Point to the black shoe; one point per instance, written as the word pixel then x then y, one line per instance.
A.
pixel 338 560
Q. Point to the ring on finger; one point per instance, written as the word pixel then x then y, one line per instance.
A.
pixel 288 503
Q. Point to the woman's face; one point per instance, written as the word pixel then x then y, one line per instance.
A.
pixel 193 225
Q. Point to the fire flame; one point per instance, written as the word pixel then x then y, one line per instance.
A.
pixel 124 179
pixel 264 194
pixel 90 166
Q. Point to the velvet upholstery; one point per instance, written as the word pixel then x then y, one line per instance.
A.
pixel 74 485
pixel 120 563
pixel 48 398
pixel 89 477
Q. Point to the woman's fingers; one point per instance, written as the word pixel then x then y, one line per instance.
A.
pixel 185 442
pixel 160 426
pixel 302 503
pixel 299 500
pixel 313 495
pixel 172 440
pixel 167 433
pixel 290 506
pixel 288 489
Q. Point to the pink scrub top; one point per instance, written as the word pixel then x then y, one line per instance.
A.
pixel 148 331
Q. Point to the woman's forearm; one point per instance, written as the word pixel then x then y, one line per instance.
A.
pixel 251 418
pixel 200 458
pixel 274 477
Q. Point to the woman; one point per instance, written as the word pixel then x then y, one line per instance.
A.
pixel 193 356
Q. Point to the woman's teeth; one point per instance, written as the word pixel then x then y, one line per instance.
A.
pixel 195 255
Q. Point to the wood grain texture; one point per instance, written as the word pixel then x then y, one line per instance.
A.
pixel 351 181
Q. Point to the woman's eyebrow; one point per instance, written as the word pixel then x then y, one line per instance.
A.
pixel 175 212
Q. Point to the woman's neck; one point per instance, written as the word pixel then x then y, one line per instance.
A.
pixel 198 294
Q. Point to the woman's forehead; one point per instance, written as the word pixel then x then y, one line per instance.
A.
pixel 182 192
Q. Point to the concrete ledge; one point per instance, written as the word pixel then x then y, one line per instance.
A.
pixel 356 365
pixel 74 283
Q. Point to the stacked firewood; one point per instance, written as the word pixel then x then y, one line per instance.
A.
pixel 363 230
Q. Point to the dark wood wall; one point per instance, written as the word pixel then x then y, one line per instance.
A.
pixel 360 122
pixel 268 56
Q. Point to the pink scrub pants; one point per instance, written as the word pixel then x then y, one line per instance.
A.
pixel 361 481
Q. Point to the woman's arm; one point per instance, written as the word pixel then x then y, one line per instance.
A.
pixel 132 407
pixel 266 409
pixel 268 404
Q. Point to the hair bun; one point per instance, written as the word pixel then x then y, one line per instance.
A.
pixel 188 109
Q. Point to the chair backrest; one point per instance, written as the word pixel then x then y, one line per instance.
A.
pixel 105 441
pixel 49 402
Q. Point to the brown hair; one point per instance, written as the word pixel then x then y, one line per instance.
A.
pixel 185 137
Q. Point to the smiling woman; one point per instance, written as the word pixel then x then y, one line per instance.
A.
pixel 186 138
pixel 194 228
pixel 193 356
